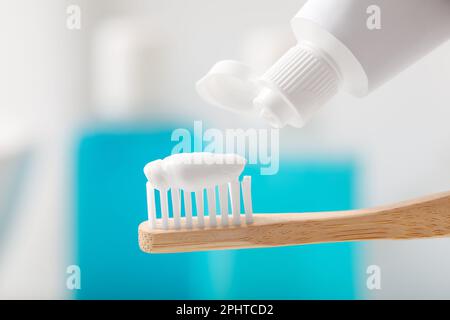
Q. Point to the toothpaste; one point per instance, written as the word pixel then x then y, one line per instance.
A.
pixel 194 171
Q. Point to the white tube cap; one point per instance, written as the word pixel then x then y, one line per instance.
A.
pixel 289 93
pixel 229 85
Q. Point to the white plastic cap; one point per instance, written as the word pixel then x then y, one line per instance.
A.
pixel 289 93
pixel 229 85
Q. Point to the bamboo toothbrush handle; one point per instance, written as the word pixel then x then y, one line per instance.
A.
pixel 422 218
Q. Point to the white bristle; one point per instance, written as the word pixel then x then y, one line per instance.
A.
pixel 211 198
pixel 200 209
pixel 151 206
pixel 223 199
pixel 247 197
pixel 235 202
pixel 164 209
pixel 188 208
pixel 230 191
pixel 176 208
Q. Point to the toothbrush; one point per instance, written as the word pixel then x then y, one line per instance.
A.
pixel 193 173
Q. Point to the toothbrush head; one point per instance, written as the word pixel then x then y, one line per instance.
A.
pixel 185 180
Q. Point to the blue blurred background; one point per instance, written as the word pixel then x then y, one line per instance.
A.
pixel 110 204
pixel 84 106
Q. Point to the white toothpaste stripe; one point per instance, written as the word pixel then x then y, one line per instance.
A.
pixel 194 171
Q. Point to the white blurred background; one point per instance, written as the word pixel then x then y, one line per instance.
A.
pixel 54 79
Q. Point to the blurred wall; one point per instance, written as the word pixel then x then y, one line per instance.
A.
pixel 43 89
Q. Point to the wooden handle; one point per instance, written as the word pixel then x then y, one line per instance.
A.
pixel 423 218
